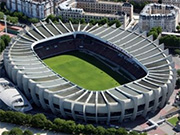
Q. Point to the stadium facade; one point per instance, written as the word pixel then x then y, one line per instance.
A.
pixel 149 65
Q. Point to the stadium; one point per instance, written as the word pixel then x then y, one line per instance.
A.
pixel 146 68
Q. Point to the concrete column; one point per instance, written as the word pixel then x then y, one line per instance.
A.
pixel 41 99
pixel 123 106
pixel 72 110
pixel 156 99
pixel 61 100
pixel 19 80
pixel 50 98
pixel 135 100
pixel 164 91
pixel 33 95
pixel 146 96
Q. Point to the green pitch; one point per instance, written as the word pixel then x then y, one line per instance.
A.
pixel 85 71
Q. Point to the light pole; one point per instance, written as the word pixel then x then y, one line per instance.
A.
pixel 5 24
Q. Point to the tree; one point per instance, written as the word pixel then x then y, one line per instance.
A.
pixel 177 51
pixel 5 133
pixel 13 20
pixel 178 72
pixel 89 128
pixel 69 126
pixel 133 133
pixel 51 17
pixel 79 129
pixel 111 131
pixel 27 132
pixel 16 131
pixel 18 14
pixel 159 30
pixel 2 45
pixel 82 21
pixel 100 130
pixel 121 131
pixel 33 20
pixel 92 21
pixel 38 120
pixel 118 23
pixel 6 39
pixel 178 28
pixel 59 124
pixel 1 15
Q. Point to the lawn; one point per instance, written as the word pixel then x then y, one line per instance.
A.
pixel 173 120
pixel 85 71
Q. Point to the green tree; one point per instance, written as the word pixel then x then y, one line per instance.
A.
pixel 133 133
pixel 1 15
pixel 33 20
pixel 178 72
pixel 5 133
pixel 59 124
pixel 121 131
pixel 92 21
pixel 69 126
pixel 89 128
pixel 51 17
pixel 27 132
pixel 6 39
pixel 100 130
pixel 2 45
pixel 178 28
pixel 82 21
pixel 118 23
pixel 177 51
pixel 18 14
pixel 79 129
pixel 16 131
pixel 111 131
pixel 38 120
pixel 13 20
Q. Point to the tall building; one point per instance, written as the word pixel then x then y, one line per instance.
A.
pixel 165 16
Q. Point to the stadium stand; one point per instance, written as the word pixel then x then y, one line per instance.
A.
pixel 149 65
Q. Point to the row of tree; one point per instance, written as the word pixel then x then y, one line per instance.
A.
pixel 102 21
pixel 4 41
pixel 170 41
pixel 60 125
pixel 17 131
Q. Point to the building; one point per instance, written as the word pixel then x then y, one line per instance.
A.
pixel 172 2
pixel 165 16
pixel 149 65
pixel 72 9
pixel 32 8
pixel 11 98
pixel 3 1
pixel 152 1
pixel 95 10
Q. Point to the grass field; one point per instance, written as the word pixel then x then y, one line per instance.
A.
pixel 85 71
pixel 173 120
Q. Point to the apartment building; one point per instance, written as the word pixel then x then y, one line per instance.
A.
pixel 32 8
pixel 165 16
